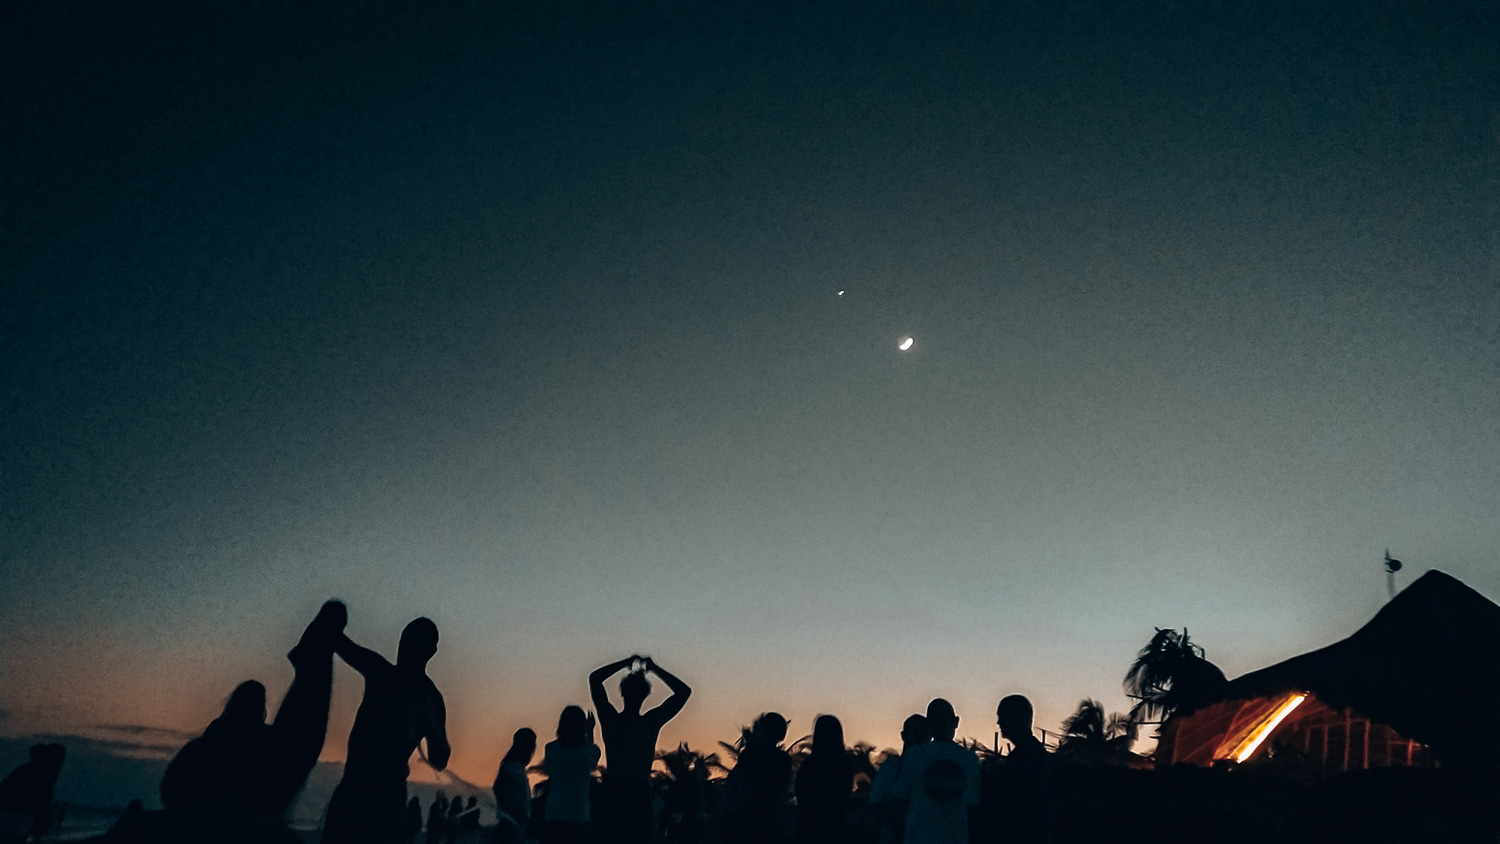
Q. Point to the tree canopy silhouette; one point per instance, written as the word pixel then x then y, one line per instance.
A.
pixel 1170 673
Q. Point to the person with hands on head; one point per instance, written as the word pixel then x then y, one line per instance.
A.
pixel 630 741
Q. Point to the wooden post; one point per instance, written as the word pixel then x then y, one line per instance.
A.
pixel 1347 723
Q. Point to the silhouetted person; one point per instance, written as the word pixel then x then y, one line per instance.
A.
pixel 450 823
pixel 890 812
pixel 824 783
pixel 756 789
pixel 240 763
pixel 301 725
pixel 470 818
pixel 1021 810
pixel 401 707
pixel 411 822
pixel 569 763
pixel 213 772
pixel 630 742
pixel 436 813
pixel 26 793
pixel 513 789
pixel 940 782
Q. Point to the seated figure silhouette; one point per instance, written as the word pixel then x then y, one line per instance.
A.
pixel 26 794
pixel 890 813
pixel 513 790
pixel 630 742
pixel 240 763
pixel 241 774
pixel 401 708
pixel 939 782
pixel 213 772
pixel 569 763
pixel 755 792
pixel 825 782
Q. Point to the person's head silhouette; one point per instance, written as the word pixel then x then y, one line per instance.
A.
pixel 914 730
pixel 828 735
pixel 522 746
pixel 635 688
pixel 246 704
pixel 942 721
pixel 573 727
pixel 1014 717
pixel 419 642
pixel 769 728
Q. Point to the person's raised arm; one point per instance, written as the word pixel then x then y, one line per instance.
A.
pixel 438 749
pixel 680 692
pixel 597 678
pixel 360 658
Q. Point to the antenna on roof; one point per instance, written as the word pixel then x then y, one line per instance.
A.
pixel 1392 566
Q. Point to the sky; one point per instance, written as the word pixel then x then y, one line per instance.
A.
pixel 575 329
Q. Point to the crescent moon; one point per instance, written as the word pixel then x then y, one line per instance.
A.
pixel 905 343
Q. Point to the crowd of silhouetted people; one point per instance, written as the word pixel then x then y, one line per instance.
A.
pixel 236 781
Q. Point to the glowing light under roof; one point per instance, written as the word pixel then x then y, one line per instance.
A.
pixel 1253 741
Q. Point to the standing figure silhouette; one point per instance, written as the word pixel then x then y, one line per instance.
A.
pixel 824 783
pixel 411 822
pixel 890 813
pixel 630 743
pixel 939 781
pixel 1022 806
pixel 756 789
pixel 569 763
pixel 401 707
pixel 435 815
pixel 513 790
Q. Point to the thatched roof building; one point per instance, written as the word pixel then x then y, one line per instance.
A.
pixel 1415 685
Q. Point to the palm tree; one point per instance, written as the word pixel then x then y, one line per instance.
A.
pixel 733 750
pixel 685 781
pixel 1170 673
pixel 1089 736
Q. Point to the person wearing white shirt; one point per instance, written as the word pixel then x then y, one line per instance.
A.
pixel 939 781
pixel 569 763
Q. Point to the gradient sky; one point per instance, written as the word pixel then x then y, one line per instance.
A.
pixel 528 322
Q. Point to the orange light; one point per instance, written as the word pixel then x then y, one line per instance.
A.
pixel 1259 734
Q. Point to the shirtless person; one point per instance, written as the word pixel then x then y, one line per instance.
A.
pixel 630 742
pixel 401 707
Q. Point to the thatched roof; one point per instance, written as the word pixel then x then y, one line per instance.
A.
pixel 1427 664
